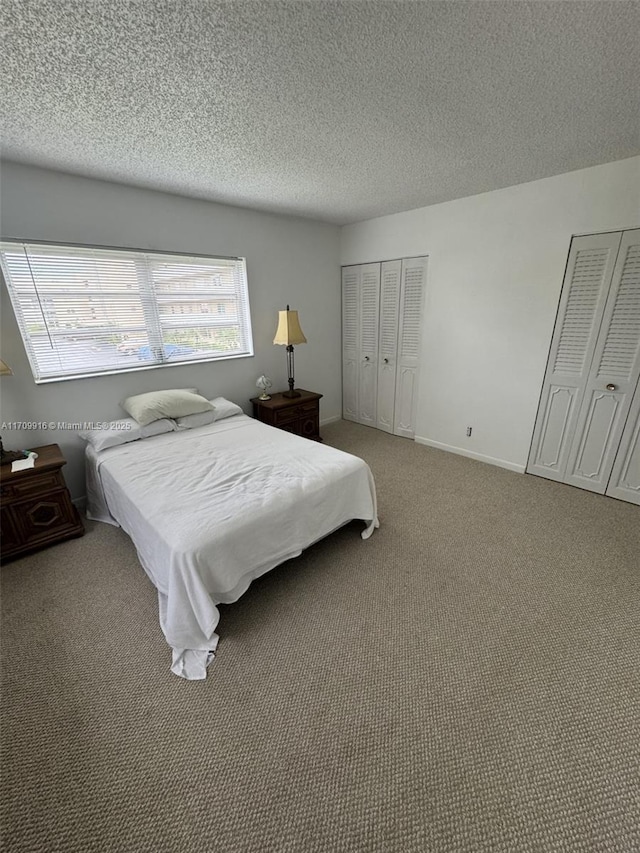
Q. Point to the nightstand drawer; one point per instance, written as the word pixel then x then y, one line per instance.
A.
pixel 34 485
pixel 299 415
pixel 9 534
pixel 294 413
pixel 286 416
pixel 309 408
pixel 37 518
pixel 308 427
pixel 36 506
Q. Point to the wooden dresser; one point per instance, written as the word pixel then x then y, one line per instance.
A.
pixel 300 415
pixel 35 505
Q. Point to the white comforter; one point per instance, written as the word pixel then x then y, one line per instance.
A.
pixel 212 508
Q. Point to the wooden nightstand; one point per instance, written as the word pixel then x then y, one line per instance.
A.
pixel 300 415
pixel 35 505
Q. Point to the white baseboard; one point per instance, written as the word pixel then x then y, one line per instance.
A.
pixel 479 457
pixel 332 420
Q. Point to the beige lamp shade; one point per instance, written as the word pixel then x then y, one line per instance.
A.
pixel 5 370
pixel 289 332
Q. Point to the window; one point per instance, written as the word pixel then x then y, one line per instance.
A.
pixel 85 311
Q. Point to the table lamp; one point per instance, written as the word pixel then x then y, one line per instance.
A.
pixel 288 334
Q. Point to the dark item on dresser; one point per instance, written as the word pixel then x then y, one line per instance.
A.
pixel 299 415
pixel 35 505
pixel 8 456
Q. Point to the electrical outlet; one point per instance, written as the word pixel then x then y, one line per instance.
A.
pixel 468 431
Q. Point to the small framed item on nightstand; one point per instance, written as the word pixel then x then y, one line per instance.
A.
pixel 299 415
pixel 35 505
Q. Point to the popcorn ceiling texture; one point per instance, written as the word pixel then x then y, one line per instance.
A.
pixel 339 111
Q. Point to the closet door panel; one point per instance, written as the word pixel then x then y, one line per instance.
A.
pixel 350 334
pixel 595 446
pixel 405 408
pixel 582 304
pixel 386 395
pixel 557 416
pixel 625 477
pixel 368 343
pixel 413 281
pixel 388 343
pixel 350 389
pixel 612 377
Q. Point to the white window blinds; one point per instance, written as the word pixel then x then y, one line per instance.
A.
pixel 84 311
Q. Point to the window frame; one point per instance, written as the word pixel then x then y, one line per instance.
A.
pixel 152 330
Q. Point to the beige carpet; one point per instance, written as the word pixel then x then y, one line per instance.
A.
pixel 466 680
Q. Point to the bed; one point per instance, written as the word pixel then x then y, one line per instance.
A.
pixel 209 509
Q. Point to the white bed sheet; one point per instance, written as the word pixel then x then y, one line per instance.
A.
pixel 212 508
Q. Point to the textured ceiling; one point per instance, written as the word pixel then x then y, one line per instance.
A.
pixel 339 111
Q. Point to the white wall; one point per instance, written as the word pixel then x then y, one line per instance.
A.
pixel 496 264
pixel 289 260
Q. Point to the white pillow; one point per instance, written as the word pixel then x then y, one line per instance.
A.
pixel 124 431
pixel 223 408
pixel 172 403
pixel 199 419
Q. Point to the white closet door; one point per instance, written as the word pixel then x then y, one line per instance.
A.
pixel 613 375
pixel 368 343
pixel 413 281
pixel 625 477
pixel 350 334
pixel 388 343
pixel 582 304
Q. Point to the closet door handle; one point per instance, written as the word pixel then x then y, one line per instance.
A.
pixel 611 387
pixel 386 360
pixel 366 358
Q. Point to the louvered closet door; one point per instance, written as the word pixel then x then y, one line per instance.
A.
pixel 350 334
pixel 368 343
pixel 624 482
pixel 584 296
pixel 413 281
pixel 388 343
pixel 613 375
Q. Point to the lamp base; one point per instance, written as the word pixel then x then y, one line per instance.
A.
pixel 264 396
pixel 291 393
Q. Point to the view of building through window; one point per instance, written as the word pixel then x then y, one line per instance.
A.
pixel 84 310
